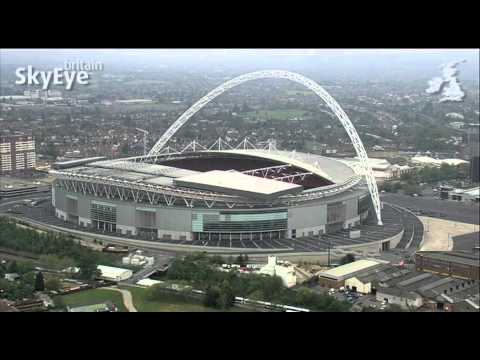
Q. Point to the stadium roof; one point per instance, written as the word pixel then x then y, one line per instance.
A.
pixel 330 169
pixel 139 174
pixel 238 183
pixel 77 162
pixel 144 168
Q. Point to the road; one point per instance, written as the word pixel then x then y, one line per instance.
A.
pixel 127 297
pixel 446 209
pixel 7 203
pixel 467 241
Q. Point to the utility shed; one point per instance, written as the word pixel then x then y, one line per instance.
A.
pixel 114 274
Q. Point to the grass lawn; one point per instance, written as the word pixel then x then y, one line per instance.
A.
pixel 94 296
pixel 286 114
pixel 170 303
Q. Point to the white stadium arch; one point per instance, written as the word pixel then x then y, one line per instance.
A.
pixel 310 84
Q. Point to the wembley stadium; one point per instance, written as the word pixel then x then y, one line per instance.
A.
pixel 226 197
pixel 239 198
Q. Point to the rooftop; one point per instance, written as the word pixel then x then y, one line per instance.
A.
pixel 341 272
pixel 459 257
pixel 111 272
pixel 238 184
pixel 328 168
pixel 104 307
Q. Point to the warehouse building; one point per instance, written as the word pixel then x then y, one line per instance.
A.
pixel 114 274
pixel 336 277
pixel 460 264
pixel 365 282
pixel 430 291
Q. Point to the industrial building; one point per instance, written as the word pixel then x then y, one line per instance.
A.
pixel 414 290
pixel 459 264
pixel 114 274
pixel 336 277
pixel 17 153
pixel 404 285
pixel 382 168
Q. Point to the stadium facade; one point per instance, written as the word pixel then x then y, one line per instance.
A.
pixel 242 194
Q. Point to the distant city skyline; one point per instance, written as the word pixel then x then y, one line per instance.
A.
pixel 355 63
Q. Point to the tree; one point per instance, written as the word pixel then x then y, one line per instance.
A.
pixel 124 149
pixel 240 260
pixel 347 259
pixel 217 259
pixel 12 267
pixel 51 150
pixel 39 282
pixel 226 298
pixel 88 269
pixel 29 278
pixel 51 261
pixel 245 107
pixel 52 284
pixel 59 302
pixel 410 189
pixel 211 297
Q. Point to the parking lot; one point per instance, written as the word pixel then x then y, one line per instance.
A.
pixel 358 300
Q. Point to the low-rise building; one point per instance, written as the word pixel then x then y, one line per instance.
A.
pixel 400 297
pixel 465 195
pixel 148 282
pixel 429 161
pixel 11 276
pixel 430 291
pixel 336 277
pixel 103 307
pixel 366 281
pixel 283 269
pixel 460 264
pixel 137 259
pixel 114 274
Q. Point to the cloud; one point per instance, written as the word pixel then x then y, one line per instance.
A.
pixel 448 84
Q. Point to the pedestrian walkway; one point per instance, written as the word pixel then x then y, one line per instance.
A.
pixel 439 233
pixel 127 298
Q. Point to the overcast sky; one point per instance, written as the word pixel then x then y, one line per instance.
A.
pixel 377 63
